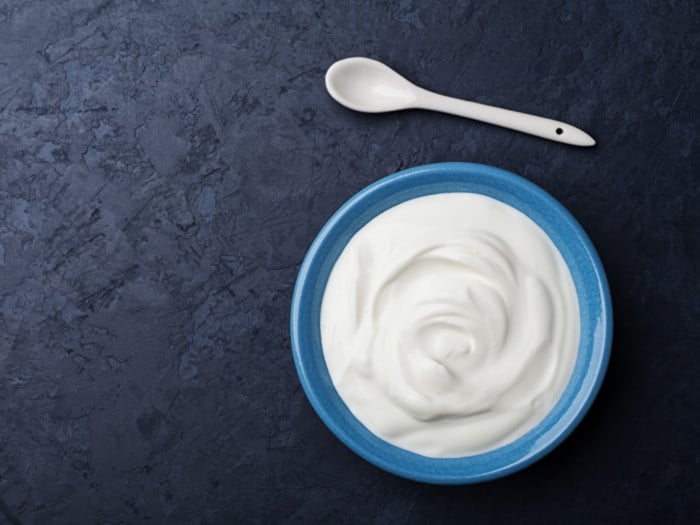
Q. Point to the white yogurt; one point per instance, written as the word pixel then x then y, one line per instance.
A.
pixel 450 324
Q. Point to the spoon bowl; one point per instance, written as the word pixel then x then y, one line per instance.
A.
pixel 369 86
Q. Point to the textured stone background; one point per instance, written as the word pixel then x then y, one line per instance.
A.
pixel 164 167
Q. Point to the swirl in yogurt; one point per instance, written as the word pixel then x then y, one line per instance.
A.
pixel 450 324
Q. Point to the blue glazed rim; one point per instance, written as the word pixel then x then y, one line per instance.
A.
pixel 594 305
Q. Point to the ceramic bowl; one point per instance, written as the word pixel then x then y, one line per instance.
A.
pixel 594 305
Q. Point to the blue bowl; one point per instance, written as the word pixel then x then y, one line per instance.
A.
pixel 594 305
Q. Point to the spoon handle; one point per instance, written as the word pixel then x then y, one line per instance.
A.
pixel 532 124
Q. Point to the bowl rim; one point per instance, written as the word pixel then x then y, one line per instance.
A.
pixel 573 404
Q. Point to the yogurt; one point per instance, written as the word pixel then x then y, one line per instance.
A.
pixel 450 324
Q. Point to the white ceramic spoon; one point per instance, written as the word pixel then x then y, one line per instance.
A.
pixel 367 85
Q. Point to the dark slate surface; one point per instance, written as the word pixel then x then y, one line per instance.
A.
pixel 165 165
